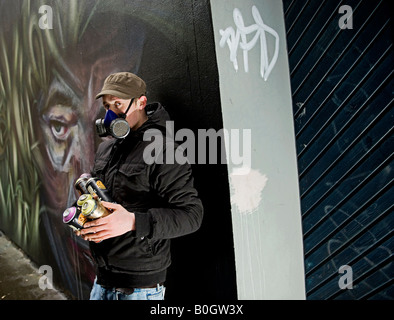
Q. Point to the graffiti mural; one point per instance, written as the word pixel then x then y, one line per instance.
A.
pixel 54 58
pixel 49 77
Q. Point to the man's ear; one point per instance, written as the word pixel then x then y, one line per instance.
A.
pixel 142 102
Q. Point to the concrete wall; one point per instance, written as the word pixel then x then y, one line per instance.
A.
pixel 256 100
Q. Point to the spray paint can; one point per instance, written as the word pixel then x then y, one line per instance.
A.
pixel 83 198
pixel 74 218
pixel 80 184
pixel 92 209
pixel 96 187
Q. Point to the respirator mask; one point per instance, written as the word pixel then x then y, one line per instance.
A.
pixel 114 125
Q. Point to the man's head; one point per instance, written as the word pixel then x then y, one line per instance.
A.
pixel 124 94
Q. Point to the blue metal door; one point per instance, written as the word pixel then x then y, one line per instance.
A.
pixel 341 67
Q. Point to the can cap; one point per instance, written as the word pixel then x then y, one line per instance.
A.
pixel 88 207
pixel 83 198
pixel 85 176
pixel 69 214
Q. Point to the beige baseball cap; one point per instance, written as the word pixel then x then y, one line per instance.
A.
pixel 124 85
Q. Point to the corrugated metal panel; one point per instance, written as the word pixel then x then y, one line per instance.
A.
pixel 342 86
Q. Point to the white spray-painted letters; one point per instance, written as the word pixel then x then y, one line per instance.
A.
pixel 238 38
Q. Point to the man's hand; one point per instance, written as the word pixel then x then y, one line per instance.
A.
pixel 117 223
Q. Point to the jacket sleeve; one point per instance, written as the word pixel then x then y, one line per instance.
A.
pixel 183 215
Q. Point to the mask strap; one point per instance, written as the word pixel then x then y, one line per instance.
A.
pixel 127 110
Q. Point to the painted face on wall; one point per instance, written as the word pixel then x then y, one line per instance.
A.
pixel 67 110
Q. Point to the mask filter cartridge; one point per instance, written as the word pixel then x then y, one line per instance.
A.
pixel 112 125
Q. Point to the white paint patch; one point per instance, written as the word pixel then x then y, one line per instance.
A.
pixel 247 190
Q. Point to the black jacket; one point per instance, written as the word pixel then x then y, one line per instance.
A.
pixel 162 197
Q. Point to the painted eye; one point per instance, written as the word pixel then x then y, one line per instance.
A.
pixel 59 121
pixel 60 130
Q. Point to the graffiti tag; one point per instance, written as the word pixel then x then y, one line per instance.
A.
pixel 238 38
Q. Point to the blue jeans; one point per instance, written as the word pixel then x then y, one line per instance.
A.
pixel 100 293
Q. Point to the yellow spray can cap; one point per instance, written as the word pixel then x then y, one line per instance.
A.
pixel 88 207
pixel 83 198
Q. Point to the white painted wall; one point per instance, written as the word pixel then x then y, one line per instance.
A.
pixel 255 94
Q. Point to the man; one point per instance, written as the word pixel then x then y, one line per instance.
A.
pixel 153 202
